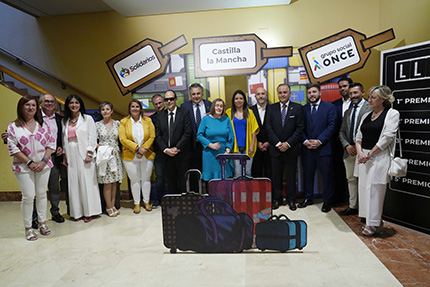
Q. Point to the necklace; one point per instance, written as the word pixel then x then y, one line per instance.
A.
pixel 374 116
pixel 73 121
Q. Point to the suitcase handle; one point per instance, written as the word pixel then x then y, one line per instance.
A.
pixel 278 217
pixel 223 158
pixel 187 179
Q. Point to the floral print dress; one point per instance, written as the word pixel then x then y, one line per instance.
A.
pixel 108 137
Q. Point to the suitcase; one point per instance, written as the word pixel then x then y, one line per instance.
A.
pixel 252 196
pixel 178 204
pixel 215 228
pixel 281 233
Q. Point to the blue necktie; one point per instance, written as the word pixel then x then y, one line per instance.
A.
pixel 284 114
pixel 314 109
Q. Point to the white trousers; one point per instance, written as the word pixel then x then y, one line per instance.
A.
pixel 33 184
pixel 352 181
pixel 139 171
pixel 84 194
pixel 371 196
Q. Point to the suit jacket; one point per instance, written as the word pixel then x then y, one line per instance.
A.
pixel 129 146
pixel 290 133
pixel 320 126
pixel 339 106
pixel 380 163
pixel 262 135
pixel 188 105
pixel 182 131
pixel 58 159
pixel 86 134
pixel 346 125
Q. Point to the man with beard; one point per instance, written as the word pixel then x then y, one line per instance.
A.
pixel 320 124
pixel 261 165
pixel 347 133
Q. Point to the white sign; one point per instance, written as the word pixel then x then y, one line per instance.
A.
pixel 333 57
pixel 228 56
pixel 137 66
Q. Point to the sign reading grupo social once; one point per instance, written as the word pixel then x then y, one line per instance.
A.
pixel 233 55
pixel 339 54
pixel 137 66
pixel 142 62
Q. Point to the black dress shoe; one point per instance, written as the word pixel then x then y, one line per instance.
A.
pixel 284 202
pixel 58 218
pixel 292 206
pixel 35 224
pixel 326 207
pixel 363 220
pixel 275 204
pixel 305 203
pixel 348 211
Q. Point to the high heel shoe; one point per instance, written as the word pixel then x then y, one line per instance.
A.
pixel 110 212
pixel 136 209
pixel 148 206
pixel 116 211
pixel 44 229
pixel 373 230
pixel 30 235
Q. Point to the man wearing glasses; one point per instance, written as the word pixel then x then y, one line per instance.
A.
pixel 173 137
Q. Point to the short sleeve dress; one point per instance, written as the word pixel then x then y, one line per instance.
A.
pixel 108 137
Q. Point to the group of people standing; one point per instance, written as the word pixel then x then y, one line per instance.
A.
pixel 175 139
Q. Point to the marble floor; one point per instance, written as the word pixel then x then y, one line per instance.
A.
pixel 128 251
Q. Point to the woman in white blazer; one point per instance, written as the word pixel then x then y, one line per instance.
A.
pixel 375 138
pixel 79 143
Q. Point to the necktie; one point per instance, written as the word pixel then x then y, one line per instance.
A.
pixel 198 115
pixel 284 114
pixel 171 126
pixel 314 109
pixel 352 127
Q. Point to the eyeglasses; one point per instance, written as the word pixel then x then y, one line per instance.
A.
pixel 169 99
pixel 49 102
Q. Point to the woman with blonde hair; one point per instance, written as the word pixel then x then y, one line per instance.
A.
pixel 137 134
pixel 374 140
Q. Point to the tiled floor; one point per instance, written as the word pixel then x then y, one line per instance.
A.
pixel 405 252
pixel 128 251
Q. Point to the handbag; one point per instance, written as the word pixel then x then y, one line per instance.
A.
pixel 398 165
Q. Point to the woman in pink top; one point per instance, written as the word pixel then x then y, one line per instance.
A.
pixel 30 143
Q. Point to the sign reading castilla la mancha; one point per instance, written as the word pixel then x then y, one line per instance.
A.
pixel 233 55
pixel 142 62
pixel 339 54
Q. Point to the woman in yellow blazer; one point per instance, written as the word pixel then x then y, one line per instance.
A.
pixel 245 128
pixel 137 134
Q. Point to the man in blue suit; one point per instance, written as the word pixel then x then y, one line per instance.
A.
pixel 197 108
pixel 320 124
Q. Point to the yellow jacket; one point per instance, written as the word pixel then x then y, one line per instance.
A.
pixel 126 137
pixel 251 127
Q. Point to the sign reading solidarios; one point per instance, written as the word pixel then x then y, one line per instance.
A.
pixel 227 55
pixel 333 57
pixel 137 66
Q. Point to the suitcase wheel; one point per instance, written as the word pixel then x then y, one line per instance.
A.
pixel 283 251
pixel 173 250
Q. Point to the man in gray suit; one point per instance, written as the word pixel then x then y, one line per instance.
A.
pixel 348 130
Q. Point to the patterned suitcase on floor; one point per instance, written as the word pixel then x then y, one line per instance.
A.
pixel 252 196
pixel 281 233
pixel 174 205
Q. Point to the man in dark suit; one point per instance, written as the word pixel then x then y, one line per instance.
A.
pixel 317 150
pixel 173 135
pixel 158 103
pixel 198 108
pixel 350 123
pixel 261 165
pixel 341 104
pixel 285 126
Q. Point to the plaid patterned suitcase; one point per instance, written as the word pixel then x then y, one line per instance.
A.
pixel 174 205
pixel 252 196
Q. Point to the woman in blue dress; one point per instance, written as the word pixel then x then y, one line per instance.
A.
pixel 216 135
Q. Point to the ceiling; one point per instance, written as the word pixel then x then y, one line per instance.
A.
pixel 131 8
